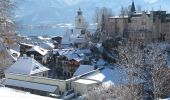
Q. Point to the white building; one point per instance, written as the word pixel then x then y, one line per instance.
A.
pixel 28 75
pixel 106 76
pixel 28 66
pixel 17 76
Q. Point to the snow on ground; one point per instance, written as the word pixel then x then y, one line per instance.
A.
pixel 11 94
pixel 165 99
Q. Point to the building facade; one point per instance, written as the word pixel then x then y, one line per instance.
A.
pixel 153 26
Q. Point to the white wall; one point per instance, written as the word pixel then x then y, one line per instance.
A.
pixel 60 83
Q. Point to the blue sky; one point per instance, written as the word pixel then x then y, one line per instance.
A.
pixel 57 11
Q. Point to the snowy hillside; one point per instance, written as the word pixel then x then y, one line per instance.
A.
pixel 58 11
pixel 10 94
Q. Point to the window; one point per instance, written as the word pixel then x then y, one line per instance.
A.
pixel 36 67
pixel 143 23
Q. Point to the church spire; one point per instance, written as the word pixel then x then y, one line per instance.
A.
pixel 133 10
pixel 79 12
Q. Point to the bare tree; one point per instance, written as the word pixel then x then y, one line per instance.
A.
pixel 6 30
pixel 130 60
pixel 123 11
pixel 6 8
pixel 159 72
pixel 139 8
pixel 147 64
pixel 101 17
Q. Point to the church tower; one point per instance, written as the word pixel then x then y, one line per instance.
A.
pixel 133 10
pixel 79 21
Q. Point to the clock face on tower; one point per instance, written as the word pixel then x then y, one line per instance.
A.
pixel 79 20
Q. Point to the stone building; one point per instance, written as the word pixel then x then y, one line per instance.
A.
pixel 145 27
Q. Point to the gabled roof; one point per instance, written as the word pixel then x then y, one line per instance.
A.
pixel 39 50
pixel 114 76
pixel 47 45
pixel 83 69
pixel 26 66
pixel 26 44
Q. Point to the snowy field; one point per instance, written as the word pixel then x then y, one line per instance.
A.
pixel 10 94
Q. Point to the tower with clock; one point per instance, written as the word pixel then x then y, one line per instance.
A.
pixel 79 20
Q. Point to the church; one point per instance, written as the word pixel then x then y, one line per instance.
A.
pixel 79 35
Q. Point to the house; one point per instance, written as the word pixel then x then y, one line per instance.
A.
pixel 39 53
pixel 28 75
pixel 22 74
pixel 68 60
pixel 28 66
pixel 38 41
pixel 103 75
pixel 57 41
pixel 24 47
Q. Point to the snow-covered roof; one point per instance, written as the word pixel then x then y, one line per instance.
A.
pixel 101 62
pixel 47 45
pixel 30 85
pixel 11 94
pixel 71 56
pixel 66 51
pixel 38 41
pixel 74 56
pixel 106 75
pixel 43 38
pixel 70 53
pixel 26 44
pixel 114 76
pixel 39 50
pixel 85 51
pixel 83 69
pixel 85 81
pixel 114 17
pixel 27 66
